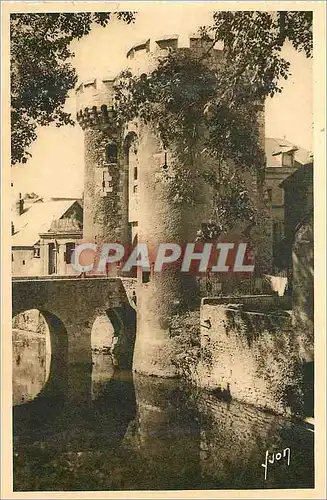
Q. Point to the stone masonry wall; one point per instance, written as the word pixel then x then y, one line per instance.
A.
pixel 255 357
pixel 162 219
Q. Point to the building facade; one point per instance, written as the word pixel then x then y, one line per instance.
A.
pixel 283 159
pixel 44 235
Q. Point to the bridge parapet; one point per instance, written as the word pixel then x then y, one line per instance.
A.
pixel 67 296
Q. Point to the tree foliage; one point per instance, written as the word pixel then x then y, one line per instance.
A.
pixel 201 110
pixel 253 41
pixel 41 70
pixel 184 101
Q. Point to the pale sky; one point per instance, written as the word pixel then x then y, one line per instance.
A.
pixel 56 166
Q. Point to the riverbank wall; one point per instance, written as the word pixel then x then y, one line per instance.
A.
pixel 253 353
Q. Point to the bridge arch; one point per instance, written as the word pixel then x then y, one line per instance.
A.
pixel 70 306
pixel 113 331
pixel 55 383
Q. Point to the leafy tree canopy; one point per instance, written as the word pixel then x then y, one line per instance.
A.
pixel 184 101
pixel 201 109
pixel 253 42
pixel 41 71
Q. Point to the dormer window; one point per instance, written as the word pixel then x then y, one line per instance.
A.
pixel 285 153
pixel 288 159
pixel 111 152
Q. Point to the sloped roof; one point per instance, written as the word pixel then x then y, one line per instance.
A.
pixel 37 219
pixel 167 37
pixel 274 145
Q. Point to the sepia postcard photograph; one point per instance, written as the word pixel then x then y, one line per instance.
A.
pixel 163 249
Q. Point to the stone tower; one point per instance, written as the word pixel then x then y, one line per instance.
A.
pixel 105 179
pixel 160 220
pixel 126 200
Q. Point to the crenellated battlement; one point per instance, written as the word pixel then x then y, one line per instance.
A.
pixel 95 101
pixel 99 118
pixel 95 96
pixel 143 56
pixel 170 42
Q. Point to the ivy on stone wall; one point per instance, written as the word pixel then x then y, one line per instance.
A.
pixel 106 208
pixel 210 139
pixel 188 351
pixel 204 108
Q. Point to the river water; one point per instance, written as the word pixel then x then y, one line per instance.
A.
pixel 143 433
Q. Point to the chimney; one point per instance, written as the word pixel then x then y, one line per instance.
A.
pixel 20 205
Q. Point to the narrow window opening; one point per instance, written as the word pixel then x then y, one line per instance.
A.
pixel 69 252
pixel 111 153
pixel 36 253
pixel 107 185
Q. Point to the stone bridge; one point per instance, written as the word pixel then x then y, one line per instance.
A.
pixel 70 306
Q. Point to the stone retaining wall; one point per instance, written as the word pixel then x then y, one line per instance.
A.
pixel 255 356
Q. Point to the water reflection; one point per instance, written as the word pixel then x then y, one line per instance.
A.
pixel 165 436
pixel 142 433
pixel 31 364
pixel 102 371
pixel 234 441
